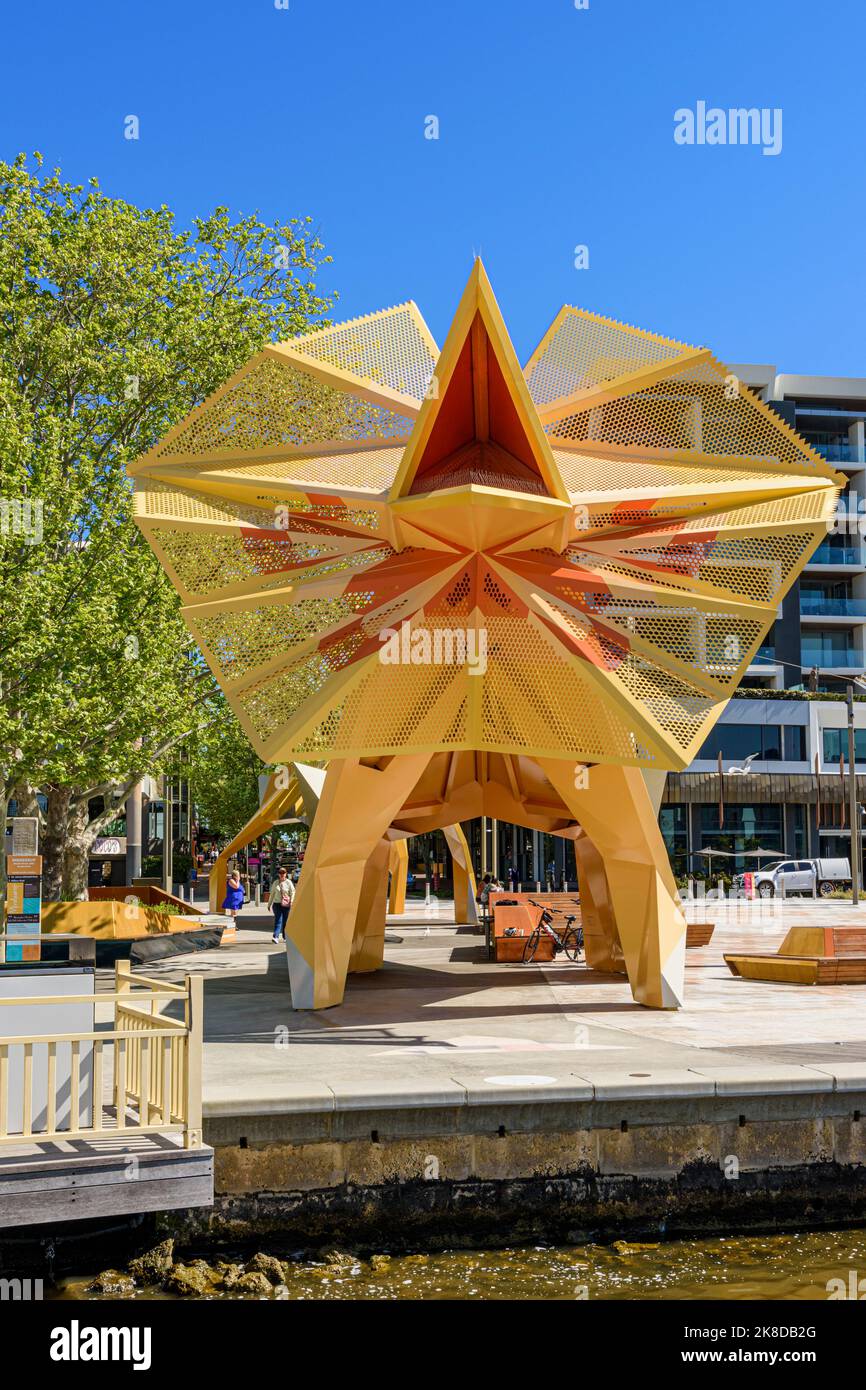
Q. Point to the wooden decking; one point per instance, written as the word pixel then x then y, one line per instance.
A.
pixel 117 1175
pixel 102 1121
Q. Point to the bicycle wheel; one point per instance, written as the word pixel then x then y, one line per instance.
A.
pixel 572 942
pixel 531 946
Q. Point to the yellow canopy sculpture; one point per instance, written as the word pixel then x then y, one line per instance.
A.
pixel 474 590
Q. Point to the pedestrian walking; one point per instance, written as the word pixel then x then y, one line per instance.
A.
pixel 282 893
pixel 234 898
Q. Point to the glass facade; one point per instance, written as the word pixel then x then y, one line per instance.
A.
pixel 673 821
pixel 795 743
pixel 800 844
pixel 738 741
pixel 836 552
pixel 824 647
pixel 745 827
pixel 835 743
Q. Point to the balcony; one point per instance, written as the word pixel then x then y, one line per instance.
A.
pixel 764 656
pixel 828 554
pixel 816 605
pixel 839 453
pixel 825 658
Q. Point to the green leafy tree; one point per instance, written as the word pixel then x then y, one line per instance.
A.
pixel 224 773
pixel 114 323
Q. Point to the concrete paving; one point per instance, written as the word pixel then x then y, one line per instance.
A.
pixel 442 1025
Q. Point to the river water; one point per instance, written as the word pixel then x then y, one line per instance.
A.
pixel 790 1266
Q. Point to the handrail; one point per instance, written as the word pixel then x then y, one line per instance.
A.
pixel 88 998
pixel 152 1064
pixel 46 1039
pixel 154 984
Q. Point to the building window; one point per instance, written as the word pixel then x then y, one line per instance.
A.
pixel 739 741
pixel 821 648
pixel 745 828
pixel 836 745
pixel 674 828
pixel 799 820
pixel 795 743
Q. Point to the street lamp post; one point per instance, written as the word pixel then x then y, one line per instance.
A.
pixel 853 806
pixel 167 836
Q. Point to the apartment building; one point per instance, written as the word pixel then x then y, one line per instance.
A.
pixel 822 621
pixel 771 798
pixel 768 796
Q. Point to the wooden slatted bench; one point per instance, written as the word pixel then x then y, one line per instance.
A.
pixel 564 904
pixel 699 933
pixel 522 919
pixel 809 956
pixel 561 905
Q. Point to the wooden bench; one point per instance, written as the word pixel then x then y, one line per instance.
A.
pixel 563 905
pixel 528 910
pixel 809 956
pixel 560 904
pixel 521 920
pixel 699 933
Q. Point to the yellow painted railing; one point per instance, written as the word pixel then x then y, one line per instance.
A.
pixel 145 1071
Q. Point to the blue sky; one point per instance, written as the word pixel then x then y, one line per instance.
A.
pixel 555 130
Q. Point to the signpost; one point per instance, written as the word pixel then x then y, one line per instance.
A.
pixel 23 892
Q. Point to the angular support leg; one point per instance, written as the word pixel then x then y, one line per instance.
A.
pixel 368 942
pixel 357 806
pixel 465 907
pixel 600 937
pixel 616 814
pixel 399 866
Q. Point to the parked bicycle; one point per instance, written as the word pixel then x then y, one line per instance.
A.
pixel 569 940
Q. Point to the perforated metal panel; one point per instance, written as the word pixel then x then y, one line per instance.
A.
pixel 586 472
pixel 273 406
pixel 370 469
pixel 612 630
pixel 699 408
pixel 583 350
pixel 392 348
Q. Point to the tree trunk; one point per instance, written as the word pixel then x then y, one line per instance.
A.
pixel 67 834
pixel 53 842
pixel 4 811
pixel 80 835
